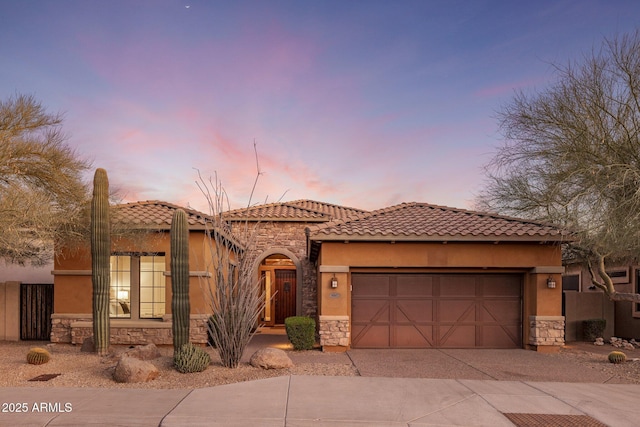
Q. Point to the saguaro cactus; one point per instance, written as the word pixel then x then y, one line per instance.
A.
pixel 100 253
pixel 180 279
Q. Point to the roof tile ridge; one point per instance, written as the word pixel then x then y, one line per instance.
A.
pixel 248 209
pixel 328 204
pixel 315 211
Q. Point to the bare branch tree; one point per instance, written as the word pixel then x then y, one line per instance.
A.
pixel 572 157
pixel 234 296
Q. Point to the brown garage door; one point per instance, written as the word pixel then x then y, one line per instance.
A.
pixel 436 310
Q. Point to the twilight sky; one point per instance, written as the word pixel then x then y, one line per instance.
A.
pixel 361 103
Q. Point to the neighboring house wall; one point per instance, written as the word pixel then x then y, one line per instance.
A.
pixel 623 317
pixel 71 321
pixel 11 277
pixel 26 273
pixel 543 324
pixel 9 311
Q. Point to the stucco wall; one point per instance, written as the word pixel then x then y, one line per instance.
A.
pixel 72 273
pixel 619 314
pixel 9 311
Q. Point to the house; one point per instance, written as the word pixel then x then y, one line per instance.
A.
pixel 417 275
pixel 140 305
pixel 584 301
pixel 279 249
pixel 413 275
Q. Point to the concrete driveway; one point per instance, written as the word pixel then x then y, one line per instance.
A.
pixel 467 364
pixel 503 365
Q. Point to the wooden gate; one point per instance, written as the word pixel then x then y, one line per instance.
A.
pixel 36 307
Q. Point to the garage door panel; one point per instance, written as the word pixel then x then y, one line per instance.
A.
pixel 374 310
pixel 412 285
pixel 457 285
pixel 414 311
pixel 501 311
pixel 501 336
pixel 436 310
pixel 413 336
pixel 457 310
pixel 371 336
pixel 499 287
pixel 372 285
pixel 457 336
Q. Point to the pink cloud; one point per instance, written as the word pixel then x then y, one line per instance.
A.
pixel 508 88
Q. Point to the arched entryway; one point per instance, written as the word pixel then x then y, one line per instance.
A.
pixel 279 276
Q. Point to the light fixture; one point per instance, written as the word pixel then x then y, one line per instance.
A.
pixel 123 295
pixel 551 283
pixel 334 282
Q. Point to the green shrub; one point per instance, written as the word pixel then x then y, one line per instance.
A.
pixel 301 332
pixel 617 357
pixel 593 328
pixel 191 358
pixel 38 356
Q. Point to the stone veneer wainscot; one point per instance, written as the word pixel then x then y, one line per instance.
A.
pixel 74 328
pixel 546 330
pixel 334 331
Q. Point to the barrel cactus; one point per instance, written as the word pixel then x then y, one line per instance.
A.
pixel 100 257
pixel 38 356
pixel 180 279
pixel 617 357
pixel 191 358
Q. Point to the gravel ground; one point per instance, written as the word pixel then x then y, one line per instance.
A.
pixel 78 369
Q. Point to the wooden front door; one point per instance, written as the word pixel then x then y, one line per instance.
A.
pixel 285 295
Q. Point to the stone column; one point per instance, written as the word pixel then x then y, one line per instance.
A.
pixel 334 333
pixel 546 333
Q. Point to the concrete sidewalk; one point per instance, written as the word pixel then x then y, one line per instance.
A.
pixel 328 401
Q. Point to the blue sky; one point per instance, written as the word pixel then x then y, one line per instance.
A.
pixel 360 103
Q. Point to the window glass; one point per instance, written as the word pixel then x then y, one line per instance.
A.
pixel 120 290
pixel 152 286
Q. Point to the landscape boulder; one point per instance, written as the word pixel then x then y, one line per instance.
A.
pixel 270 358
pixel 132 370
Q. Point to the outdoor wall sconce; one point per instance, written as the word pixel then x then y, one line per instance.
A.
pixel 334 282
pixel 551 283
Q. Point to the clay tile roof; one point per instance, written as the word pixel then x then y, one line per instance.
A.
pixel 423 222
pixel 155 214
pixel 295 211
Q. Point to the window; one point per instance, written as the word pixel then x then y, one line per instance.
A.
pixel 571 282
pixel 137 286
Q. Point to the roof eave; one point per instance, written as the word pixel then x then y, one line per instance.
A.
pixel 404 238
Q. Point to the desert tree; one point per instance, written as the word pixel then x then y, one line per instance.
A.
pixel 234 295
pixel 42 193
pixel 571 156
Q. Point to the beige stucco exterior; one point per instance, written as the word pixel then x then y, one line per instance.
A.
pixel 73 293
